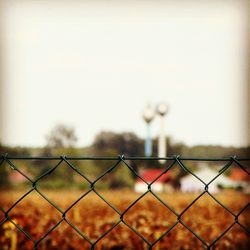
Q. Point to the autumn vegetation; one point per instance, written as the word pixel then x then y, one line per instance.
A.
pixel 149 217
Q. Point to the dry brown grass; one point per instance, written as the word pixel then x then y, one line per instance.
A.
pixel 93 217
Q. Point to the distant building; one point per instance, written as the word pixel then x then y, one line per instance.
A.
pixel 15 177
pixel 238 174
pixel 242 179
pixel 162 184
pixel 190 183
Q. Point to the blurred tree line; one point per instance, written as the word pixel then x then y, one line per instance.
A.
pixel 61 140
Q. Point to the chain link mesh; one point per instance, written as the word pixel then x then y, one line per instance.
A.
pixel 176 161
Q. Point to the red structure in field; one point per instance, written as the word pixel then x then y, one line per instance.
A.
pixel 160 185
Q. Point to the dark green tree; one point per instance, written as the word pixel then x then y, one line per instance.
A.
pixel 126 143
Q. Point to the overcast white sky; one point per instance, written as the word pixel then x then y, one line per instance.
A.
pixel 94 65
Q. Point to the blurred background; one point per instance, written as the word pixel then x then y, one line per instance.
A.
pixel 87 78
pixel 77 76
pixel 95 65
pixel 139 78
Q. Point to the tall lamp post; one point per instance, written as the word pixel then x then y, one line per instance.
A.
pixel 148 116
pixel 162 147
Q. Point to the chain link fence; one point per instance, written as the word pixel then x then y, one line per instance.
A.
pixel 175 162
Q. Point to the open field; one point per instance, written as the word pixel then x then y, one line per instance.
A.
pixel 149 217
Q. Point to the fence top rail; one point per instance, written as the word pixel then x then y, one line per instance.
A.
pixel 122 157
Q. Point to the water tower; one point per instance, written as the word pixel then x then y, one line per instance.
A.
pixel 148 116
pixel 162 110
